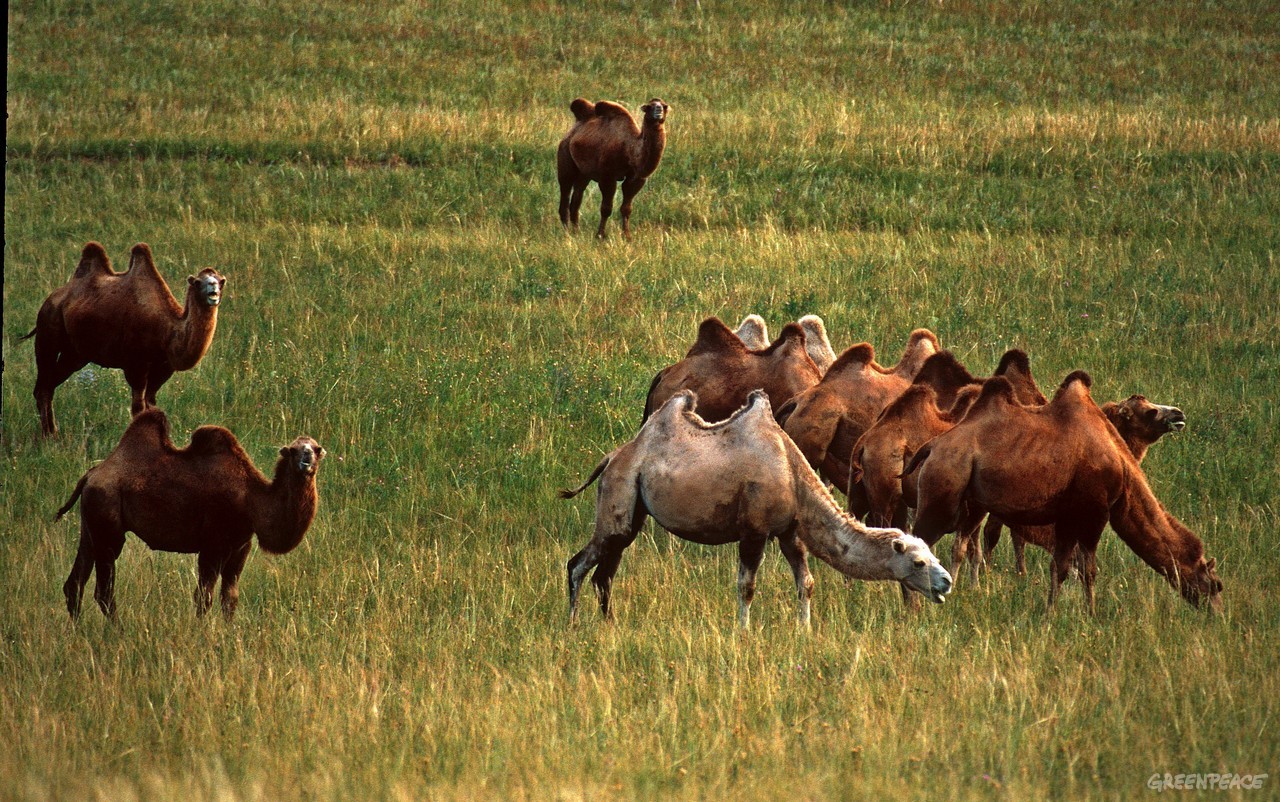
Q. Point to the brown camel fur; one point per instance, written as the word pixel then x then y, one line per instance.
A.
pixel 722 371
pixel 606 145
pixel 754 333
pixel 827 419
pixel 124 320
pixel 739 481
pixel 1062 464
pixel 207 498
pixel 1140 424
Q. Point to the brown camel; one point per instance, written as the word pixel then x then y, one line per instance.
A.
pixel 826 419
pixel 606 145
pixel 722 371
pixel 739 481
pixel 207 498
pixel 754 333
pixel 1140 424
pixel 124 320
pixel 1062 464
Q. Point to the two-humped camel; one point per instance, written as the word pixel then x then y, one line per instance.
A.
pixel 754 333
pixel 606 145
pixel 124 320
pixel 1062 464
pixel 826 419
pixel 739 481
pixel 207 498
pixel 1140 424
pixel 722 370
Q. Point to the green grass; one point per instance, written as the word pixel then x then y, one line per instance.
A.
pixel 1094 183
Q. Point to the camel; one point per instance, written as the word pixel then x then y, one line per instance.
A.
pixel 1078 476
pixel 606 145
pixel 738 481
pixel 1139 423
pixel 124 320
pixel 722 371
pixel 754 333
pixel 826 419
pixel 207 498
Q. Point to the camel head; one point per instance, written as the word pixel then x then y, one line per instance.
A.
pixel 1151 420
pixel 655 112
pixel 914 565
pixel 1202 585
pixel 302 455
pixel 208 286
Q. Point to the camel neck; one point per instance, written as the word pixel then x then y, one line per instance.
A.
pixel 282 511
pixel 192 333
pixel 837 538
pixel 653 140
pixel 1161 540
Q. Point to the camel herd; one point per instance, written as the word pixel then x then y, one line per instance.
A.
pixel 924 434
pixel 738 441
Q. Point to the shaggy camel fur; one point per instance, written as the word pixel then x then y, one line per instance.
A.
pixel 739 481
pixel 1140 424
pixel 754 333
pixel 207 498
pixel 722 371
pixel 124 320
pixel 606 146
pixel 1062 464
pixel 827 419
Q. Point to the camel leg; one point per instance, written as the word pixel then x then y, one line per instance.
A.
pixel 566 192
pixel 991 536
pixel 797 557
pixel 157 375
pixel 750 553
pixel 603 553
pixel 966 545
pixel 607 190
pixel 52 369
pixel 1059 566
pixel 1087 564
pixel 137 379
pixel 231 569
pixel 575 201
pixel 106 551
pixel 630 188
pixel 73 588
pixel 1019 552
pixel 208 566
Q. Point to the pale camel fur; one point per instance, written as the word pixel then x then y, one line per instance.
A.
pixel 739 481
pixel 207 498
pixel 828 418
pixel 1078 476
pixel 722 371
pixel 124 320
pixel 754 333
pixel 606 145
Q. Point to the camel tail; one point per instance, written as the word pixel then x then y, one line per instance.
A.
pixel 920 456
pixel 71 502
pixel 28 335
pixel 648 399
pixel 604 463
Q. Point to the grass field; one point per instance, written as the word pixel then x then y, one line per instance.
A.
pixel 1097 183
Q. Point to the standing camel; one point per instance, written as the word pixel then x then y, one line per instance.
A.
pixel 207 498
pixel 124 320
pixel 606 145
pixel 738 481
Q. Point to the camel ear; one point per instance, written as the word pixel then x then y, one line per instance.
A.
pixel 900 546
pixel 284 451
pixel 191 280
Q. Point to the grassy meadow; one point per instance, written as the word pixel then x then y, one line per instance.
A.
pixel 1097 183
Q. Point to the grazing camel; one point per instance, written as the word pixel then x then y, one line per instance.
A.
pixel 1140 424
pixel 722 371
pixel 739 481
pixel 828 418
pixel 124 320
pixel 754 333
pixel 207 498
pixel 606 146
pixel 1062 464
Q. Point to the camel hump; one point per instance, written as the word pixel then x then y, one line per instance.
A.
pixel 149 428
pixel 1014 359
pixel 964 401
pixel 943 368
pixel 753 332
pixel 855 356
pixel 607 108
pixel 213 440
pixel 714 337
pixel 919 336
pixel 913 399
pixel 792 335
pixel 996 392
pixel 582 109
pixel 93 261
pixel 1075 386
